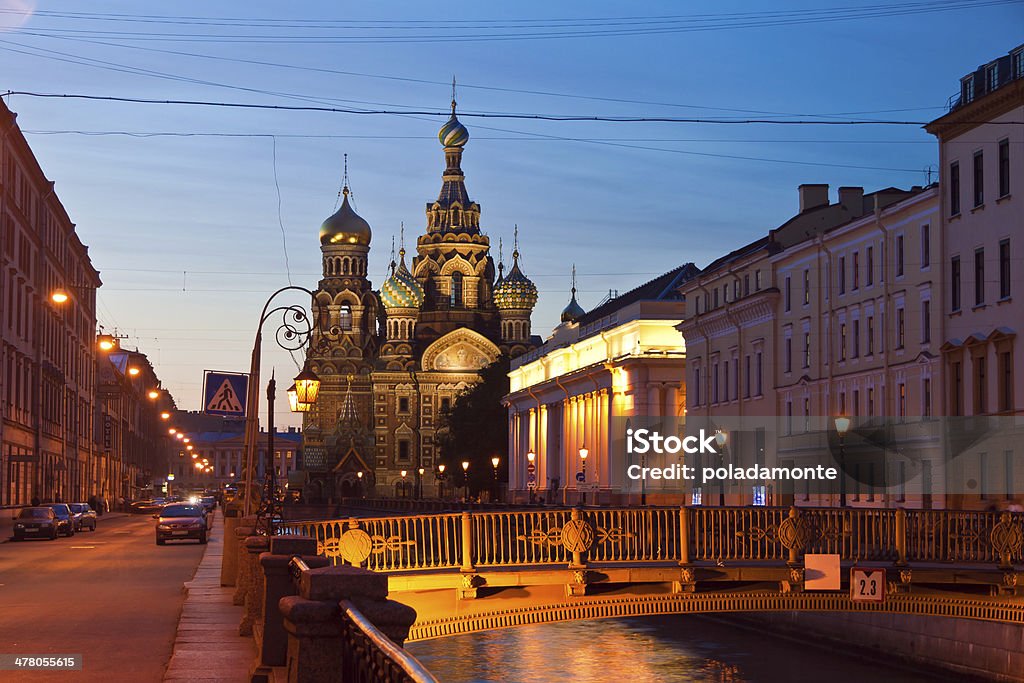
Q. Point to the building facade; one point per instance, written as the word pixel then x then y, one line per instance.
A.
pixel 393 360
pixel 981 155
pixel 47 354
pixel 622 360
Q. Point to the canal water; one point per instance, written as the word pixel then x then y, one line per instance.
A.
pixel 669 649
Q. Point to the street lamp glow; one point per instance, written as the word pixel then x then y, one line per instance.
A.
pixel 187 440
pixel 465 465
pixel 294 404
pixel 440 468
pixel 307 385
pixel 188 447
pixel 59 296
pixel 153 394
pixel 421 471
pixel 172 431
pixel 359 474
pixel 194 455
pixel 180 436
pixel 106 342
pixel 165 415
pixel 842 425
pixel 583 454
pixel 721 437
pixel 494 461
pixel 531 456
pixel 170 477
pixel 404 472
pixel 133 371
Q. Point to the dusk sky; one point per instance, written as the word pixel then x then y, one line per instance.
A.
pixel 182 216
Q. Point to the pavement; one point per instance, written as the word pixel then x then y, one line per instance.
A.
pixel 207 646
pixel 112 596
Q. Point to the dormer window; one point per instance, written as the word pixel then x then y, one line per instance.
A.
pixel 967 89
pixel 1017 63
pixel 992 76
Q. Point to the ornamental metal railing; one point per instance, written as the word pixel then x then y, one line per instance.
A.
pixel 470 540
pixel 372 657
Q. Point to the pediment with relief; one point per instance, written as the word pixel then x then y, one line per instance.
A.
pixel 461 350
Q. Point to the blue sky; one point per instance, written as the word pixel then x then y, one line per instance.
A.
pixel 186 229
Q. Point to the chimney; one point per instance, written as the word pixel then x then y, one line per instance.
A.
pixel 852 199
pixel 812 196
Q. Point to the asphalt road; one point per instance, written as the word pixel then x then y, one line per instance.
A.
pixel 111 595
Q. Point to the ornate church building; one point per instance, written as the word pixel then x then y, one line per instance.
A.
pixel 393 360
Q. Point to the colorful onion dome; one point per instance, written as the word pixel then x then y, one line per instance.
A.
pixel 345 227
pixel 401 290
pixel 515 290
pixel 453 133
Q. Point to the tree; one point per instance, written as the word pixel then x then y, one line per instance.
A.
pixel 476 429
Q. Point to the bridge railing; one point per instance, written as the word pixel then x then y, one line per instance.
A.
pixel 469 540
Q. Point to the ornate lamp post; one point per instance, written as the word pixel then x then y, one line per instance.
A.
pixel 494 464
pixel 721 438
pixel 360 475
pixel 465 477
pixel 404 490
pixel 419 483
pixel 531 476
pixel 583 459
pixel 842 426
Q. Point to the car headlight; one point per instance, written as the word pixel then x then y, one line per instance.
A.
pixel 163 527
pixel 19 526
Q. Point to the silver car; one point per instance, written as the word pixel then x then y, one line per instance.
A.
pixel 85 516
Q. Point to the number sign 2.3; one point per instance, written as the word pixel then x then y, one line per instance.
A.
pixel 867 585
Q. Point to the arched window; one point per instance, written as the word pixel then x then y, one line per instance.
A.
pixel 345 317
pixel 456 290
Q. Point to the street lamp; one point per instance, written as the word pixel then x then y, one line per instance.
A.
pixel 583 459
pixel 134 371
pixel 419 483
pixel 842 426
pixel 465 477
pixel 293 401
pixel 403 473
pixel 494 463
pixel 531 477
pixel 153 394
pixel 165 415
pixel 440 480
pixel 721 438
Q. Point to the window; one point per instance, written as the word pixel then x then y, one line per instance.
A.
pixel 757 280
pixel 403 450
pixel 871 401
pixel 1018 63
pixel 807 286
pixel 979 277
pixel 983 472
pixel 855 348
pixel 967 89
pixel 926 397
pixel 725 369
pixel 856 402
pixel 1005 381
pixel 403 404
pixel 926 321
pixel 901 404
pixel 787 293
pixel 746 377
pixel 869 276
pixel 954 189
pixel 456 298
pixel 842 274
pixel 926 246
pixel 1004 168
pixel 900 327
pixel 899 255
pixel 807 349
pixel 954 280
pixel 716 297
pixel 789 417
pixel 979 178
pixel 871 334
pixel 446 405
pixel 1004 269
pixel 980 387
pixel 957 389
pixel 696 386
pixel 856 270
pixel 759 375
pixel 992 77
pixel 842 341
pixel 746 285
pixel 345 317
pixel 714 383
pixel 789 354
pixel 735 290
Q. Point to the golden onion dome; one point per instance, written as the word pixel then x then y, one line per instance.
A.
pixel 401 290
pixel 345 227
pixel 515 290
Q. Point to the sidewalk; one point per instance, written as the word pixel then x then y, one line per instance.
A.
pixel 208 647
pixel 7 521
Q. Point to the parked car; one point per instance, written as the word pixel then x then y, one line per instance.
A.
pixel 85 516
pixel 145 506
pixel 209 502
pixel 35 522
pixel 179 521
pixel 65 519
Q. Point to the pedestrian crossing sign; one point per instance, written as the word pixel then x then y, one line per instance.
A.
pixel 225 393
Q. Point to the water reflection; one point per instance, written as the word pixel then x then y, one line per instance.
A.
pixel 672 649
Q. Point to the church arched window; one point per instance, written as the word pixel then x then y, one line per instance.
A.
pixel 456 290
pixel 345 317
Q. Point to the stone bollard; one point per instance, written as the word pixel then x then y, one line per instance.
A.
pixel 313 620
pixel 254 545
pixel 246 528
pixel 272 640
pixel 229 562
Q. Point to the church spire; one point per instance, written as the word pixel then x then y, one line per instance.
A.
pixel 573 311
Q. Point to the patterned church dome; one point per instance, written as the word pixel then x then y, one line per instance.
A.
pixel 453 133
pixel 345 227
pixel 515 290
pixel 401 290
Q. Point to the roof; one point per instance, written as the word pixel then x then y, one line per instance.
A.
pixel 662 288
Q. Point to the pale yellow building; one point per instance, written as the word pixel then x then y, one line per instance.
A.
pixel 624 358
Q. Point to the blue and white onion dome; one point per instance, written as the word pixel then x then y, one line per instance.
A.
pixel 401 290
pixel 453 133
pixel 515 291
